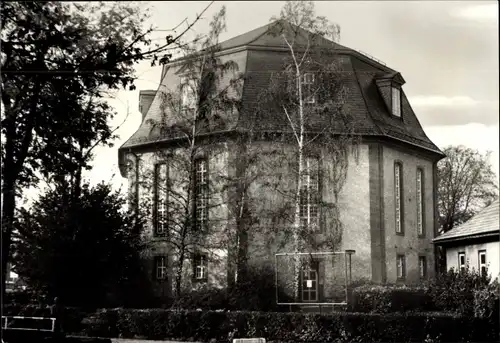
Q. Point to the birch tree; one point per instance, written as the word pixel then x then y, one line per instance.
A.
pixel 313 105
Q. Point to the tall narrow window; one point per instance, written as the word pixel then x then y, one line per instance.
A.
pixel 420 205
pixel 422 267
pixel 309 193
pixel 396 101
pixel 401 267
pixel 200 267
pixel 308 88
pixel 397 197
pixel 160 267
pixel 161 182
pixel 201 193
pixel 136 192
pixel 461 260
pixel 482 262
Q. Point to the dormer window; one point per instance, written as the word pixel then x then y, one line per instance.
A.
pixel 396 102
pixel 188 94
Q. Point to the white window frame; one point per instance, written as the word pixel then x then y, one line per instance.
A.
pixel 309 207
pixel 422 267
pixel 480 264
pixel 201 192
pixel 161 180
pixel 308 81
pixel 305 289
pixel 200 267
pixel 420 205
pixel 161 267
pixel 400 267
pixel 460 264
pixel 396 101
pixel 398 169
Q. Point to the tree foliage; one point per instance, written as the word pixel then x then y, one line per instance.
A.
pixel 82 251
pixel 58 59
pixel 467 183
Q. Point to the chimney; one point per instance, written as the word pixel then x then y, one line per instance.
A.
pixel 145 99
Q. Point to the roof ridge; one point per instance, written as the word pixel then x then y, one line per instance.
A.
pixel 457 229
pixel 262 34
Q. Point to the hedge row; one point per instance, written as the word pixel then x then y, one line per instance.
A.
pixel 388 299
pixel 288 327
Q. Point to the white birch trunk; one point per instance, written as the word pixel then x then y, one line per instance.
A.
pixel 297 226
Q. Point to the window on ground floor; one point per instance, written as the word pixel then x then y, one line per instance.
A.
pixel 422 267
pixel 482 262
pixel 160 267
pixel 309 283
pixel 461 260
pixel 401 267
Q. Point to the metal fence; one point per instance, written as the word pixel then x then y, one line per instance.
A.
pixel 29 323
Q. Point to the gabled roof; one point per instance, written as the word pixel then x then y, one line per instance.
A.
pixel 392 76
pixel 484 223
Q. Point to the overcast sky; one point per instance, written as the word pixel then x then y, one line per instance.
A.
pixel 446 51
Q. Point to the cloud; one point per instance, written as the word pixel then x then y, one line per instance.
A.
pixel 443 101
pixel 478 12
pixel 454 110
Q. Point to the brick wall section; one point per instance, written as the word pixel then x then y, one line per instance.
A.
pixel 355 213
pixel 408 244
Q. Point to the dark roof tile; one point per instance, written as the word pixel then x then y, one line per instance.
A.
pixel 366 108
pixel 486 221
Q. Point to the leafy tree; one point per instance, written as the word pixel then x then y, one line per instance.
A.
pixel 467 183
pixel 57 61
pixel 82 251
pixel 309 95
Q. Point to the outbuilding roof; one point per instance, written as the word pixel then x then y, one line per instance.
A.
pixel 484 223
